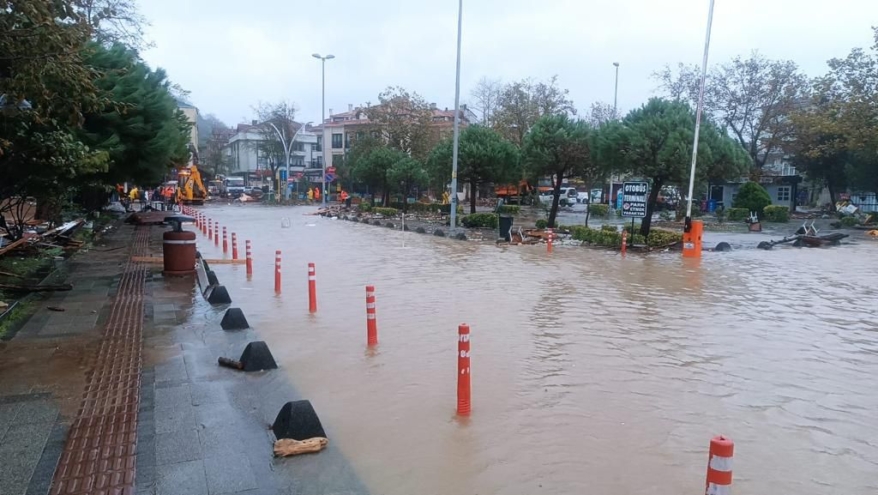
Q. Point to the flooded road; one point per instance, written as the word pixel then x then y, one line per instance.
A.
pixel 591 373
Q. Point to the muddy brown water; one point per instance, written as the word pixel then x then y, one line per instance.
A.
pixel 591 374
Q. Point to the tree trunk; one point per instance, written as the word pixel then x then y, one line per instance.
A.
pixel 556 196
pixel 831 187
pixel 588 201
pixel 650 207
pixel 472 197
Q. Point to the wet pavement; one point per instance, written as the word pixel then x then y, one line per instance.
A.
pixel 590 373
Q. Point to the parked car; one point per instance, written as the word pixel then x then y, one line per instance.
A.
pixel 568 197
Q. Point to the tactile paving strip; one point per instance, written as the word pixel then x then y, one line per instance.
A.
pixel 99 455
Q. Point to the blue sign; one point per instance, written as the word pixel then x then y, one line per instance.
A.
pixel 283 174
pixel 330 177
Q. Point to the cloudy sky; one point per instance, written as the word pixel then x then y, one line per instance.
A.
pixel 231 54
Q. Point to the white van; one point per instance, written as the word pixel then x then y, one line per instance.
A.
pixel 568 197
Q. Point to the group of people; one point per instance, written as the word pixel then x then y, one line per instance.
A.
pixel 313 194
pixel 166 194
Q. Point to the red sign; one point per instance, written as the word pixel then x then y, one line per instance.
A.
pixel 330 170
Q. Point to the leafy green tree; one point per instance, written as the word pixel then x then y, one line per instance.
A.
pixel 405 120
pixel 144 132
pixel 521 104
pixel 655 142
pixel 753 197
pixel 407 174
pixel 560 147
pixel 483 157
pixel 373 169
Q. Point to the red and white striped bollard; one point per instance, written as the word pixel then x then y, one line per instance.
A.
pixel 371 323
pixel 719 466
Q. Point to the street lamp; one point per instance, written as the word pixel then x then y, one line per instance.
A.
pixel 288 147
pixel 323 109
pixel 456 123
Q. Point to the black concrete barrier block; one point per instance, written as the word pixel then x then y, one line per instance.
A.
pixel 723 246
pixel 297 420
pixel 389 225
pixel 204 262
pixel 355 220
pixel 460 236
pixel 211 278
pixel 234 319
pixel 377 222
pixel 257 357
pixel 439 233
pixel 217 294
pixel 420 230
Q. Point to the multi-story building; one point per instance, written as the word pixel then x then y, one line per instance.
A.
pixel 341 130
pixel 191 113
pixel 246 150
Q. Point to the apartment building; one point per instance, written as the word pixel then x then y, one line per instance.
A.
pixel 248 157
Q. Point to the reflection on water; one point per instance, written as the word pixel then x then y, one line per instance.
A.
pixel 591 373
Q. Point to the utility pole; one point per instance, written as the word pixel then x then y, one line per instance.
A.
pixel 456 123
pixel 323 110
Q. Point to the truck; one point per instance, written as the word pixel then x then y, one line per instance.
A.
pixel 233 187
pixel 514 194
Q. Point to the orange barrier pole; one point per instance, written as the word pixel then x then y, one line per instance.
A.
pixel 549 244
pixel 463 371
pixel 624 241
pixel 210 229
pixel 719 466
pixel 277 272
pixel 198 221
pixel 234 246
pixel 692 239
pixel 249 256
pixel 204 223
pixel 312 288
pixel 225 241
pixel 216 234
pixel 371 323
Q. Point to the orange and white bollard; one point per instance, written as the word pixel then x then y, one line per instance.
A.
pixel 371 323
pixel 624 241
pixel 225 241
pixel 209 230
pixel 312 288
pixel 198 221
pixel 216 234
pixel 277 272
pixel 204 223
pixel 719 466
pixel 549 244
pixel 249 254
pixel 463 371
pixel 234 246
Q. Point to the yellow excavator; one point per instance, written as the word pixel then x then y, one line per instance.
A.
pixel 190 188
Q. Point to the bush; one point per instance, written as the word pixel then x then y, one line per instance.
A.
pixel 598 210
pixel 541 224
pixel 365 207
pixel 665 215
pixel 609 237
pixel 480 220
pixel 385 212
pixel 849 222
pixel 752 197
pixel 609 228
pixel 509 210
pixel 777 213
pixel 737 214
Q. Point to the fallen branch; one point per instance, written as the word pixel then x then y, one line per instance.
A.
pixel 13 275
pixel 287 446
pixel 36 288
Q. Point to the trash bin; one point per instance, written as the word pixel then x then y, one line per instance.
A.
pixel 347 201
pixel 505 228
pixel 711 206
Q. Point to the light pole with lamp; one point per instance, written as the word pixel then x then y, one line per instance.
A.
pixel 323 110
pixel 288 148
pixel 454 147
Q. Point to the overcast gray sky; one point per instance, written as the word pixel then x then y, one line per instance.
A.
pixel 232 54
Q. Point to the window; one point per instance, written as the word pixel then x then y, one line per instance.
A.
pixel 319 146
pixel 360 135
pixel 298 146
pixel 375 134
pixel 337 141
pixel 297 161
pixel 783 194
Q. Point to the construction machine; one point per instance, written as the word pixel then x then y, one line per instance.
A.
pixel 190 188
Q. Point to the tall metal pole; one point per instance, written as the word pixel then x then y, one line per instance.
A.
pixel 323 118
pixel 698 109
pixel 615 103
pixel 456 123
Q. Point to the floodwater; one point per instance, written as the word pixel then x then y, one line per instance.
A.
pixel 591 373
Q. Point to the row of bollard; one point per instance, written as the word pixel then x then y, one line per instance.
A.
pixel 719 468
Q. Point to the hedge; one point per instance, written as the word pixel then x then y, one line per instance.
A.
pixel 386 212
pixel 777 213
pixel 598 210
pixel 737 214
pixel 542 223
pixel 849 221
pixel 480 220
pixel 365 207
pixel 509 210
pixel 608 236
